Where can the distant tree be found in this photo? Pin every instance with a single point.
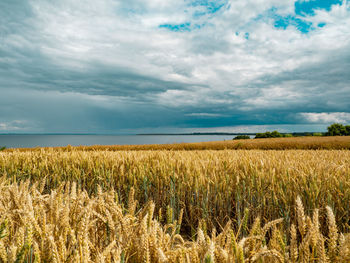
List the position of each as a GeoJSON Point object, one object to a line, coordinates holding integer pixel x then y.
{"type": "Point", "coordinates": [336, 129]}
{"type": "Point", "coordinates": [317, 134]}
{"type": "Point", "coordinates": [274, 134]}
{"type": "Point", "coordinates": [2, 148]}
{"type": "Point", "coordinates": [288, 135]}
{"type": "Point", "coordinates": [241, 137]}
{"type": "Point", "coordinates": [347, 128]}
{"type": "Point", "coordinates": [268, 134]}
{"type": "Point", "coordinates": [259, 135]}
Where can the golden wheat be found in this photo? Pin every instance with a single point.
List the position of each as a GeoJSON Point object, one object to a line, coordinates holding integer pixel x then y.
{"type": "Point", "coordinates": [175, 206]}
{"type": "Point", "coordinates": [306, 143]}
{"type": "Point", "coordinates": [69, 226]}
{"type": "Point", "coordinates": [209, 185]}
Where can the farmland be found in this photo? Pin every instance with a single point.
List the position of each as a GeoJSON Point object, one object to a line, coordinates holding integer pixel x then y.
{"type": "Point", "coordinates": [301, 143]}
{"type": "Point", "coordinates": [100, 205]}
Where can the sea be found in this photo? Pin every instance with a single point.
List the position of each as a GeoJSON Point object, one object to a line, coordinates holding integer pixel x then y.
{"type": "Point", "coordinates": [50, 140]}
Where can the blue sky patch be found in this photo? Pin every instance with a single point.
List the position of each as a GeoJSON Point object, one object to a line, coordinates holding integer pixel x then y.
{"type": "Point", "coordinates": [303, 8]}
{"type": "Point", "coordinates": [185, 27]}
{"type": "Point", "coordinates": [205, 7]}
{"type": "Point", "coordinates": [208, 7]}
{"type": "Point", "coordinates": [285, 21]}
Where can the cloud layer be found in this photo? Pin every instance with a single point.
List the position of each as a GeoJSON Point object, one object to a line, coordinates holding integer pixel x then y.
{"type": "Point", "coordinates": [108, 66]}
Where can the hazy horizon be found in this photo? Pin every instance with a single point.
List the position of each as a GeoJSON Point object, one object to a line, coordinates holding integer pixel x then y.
{"type": "Point", "coordinates": [177, 131]}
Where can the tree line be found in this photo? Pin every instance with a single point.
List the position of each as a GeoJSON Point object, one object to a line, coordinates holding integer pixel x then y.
{"type": "Point", "coordinates": [336, 129]}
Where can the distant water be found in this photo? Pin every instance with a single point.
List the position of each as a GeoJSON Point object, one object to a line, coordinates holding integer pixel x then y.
{"type": "Point", "coordinates": [27, 141]}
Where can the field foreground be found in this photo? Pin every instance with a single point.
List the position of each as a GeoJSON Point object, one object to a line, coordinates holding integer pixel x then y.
{"type": "Point", "coordinates": [69, 226]}
{"type": "Point", "coordinates": [175, 206]}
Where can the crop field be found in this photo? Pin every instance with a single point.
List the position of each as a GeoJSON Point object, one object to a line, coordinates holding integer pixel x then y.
{"type": "Point", "coordinates": [301, 143]}
{"type": "Point", "coordinates": [95, 205]}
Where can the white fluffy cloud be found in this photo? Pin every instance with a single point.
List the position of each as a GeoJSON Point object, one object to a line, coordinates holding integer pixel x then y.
{"type": "Point", "coordinates": [324, 117]}
{"type": "Point", "coordinates": [113, 33]}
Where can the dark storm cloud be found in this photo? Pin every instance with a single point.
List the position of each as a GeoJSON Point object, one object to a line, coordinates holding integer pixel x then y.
{"type": "Point", "coordinates": [319, 87]}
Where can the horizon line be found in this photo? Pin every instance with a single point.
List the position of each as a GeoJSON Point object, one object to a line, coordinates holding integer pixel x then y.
{"type": "Point", "coordinates": [147, 134]}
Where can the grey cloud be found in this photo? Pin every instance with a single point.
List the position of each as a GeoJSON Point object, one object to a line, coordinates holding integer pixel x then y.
{"type": "Point", "coordinates": [322, 86]}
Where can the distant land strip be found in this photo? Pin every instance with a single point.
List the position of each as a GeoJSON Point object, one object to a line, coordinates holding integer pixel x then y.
{"type": "Point", "coordinates": [303, 143]}
{"type": "Point", "coordinates": [227, 133]}
{"type": "Point", "coordinates": [199, 133]}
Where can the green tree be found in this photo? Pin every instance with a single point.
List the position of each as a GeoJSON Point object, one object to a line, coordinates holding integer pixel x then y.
{"type": "Point", "coordinates": [336, 129]}
{"type": "Point", "coordinates": [259, 135]}
{"type": "Point", "coordinates": [276, 134]}
{"type": "Point", "coordinates": [241, 137]}
{"type": "Point", "coordinates": [347, 128]}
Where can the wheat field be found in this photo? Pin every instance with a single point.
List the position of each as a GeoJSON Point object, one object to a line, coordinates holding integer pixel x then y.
{"type": "Point", "coordinates": [301, 143]}
{"type": "Point", "coordinates": [175, 206]}
{"type": "Point", "coordinates": [69, 226]}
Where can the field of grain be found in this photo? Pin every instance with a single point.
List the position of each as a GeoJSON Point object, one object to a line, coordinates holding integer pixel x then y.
{"type": "Point", "coordinates": [69, 226]}
{"type": "Point", "coordinates": [175, 206]}
{"type": "Point", "coordinates": [301, 143]}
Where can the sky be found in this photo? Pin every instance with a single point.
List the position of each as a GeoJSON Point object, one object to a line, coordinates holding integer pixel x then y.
{"type": "Point", "coordinates": [139, 66]}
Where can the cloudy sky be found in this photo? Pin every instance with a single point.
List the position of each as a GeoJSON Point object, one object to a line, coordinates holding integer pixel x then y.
{"type": "Point", "coordinates": [115, 66]}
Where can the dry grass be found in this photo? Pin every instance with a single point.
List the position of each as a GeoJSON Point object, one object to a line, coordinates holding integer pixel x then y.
{"type": "Point", "coordinates": [69, 226]}
{"type": "Point", "coordinates": [306, 143]}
